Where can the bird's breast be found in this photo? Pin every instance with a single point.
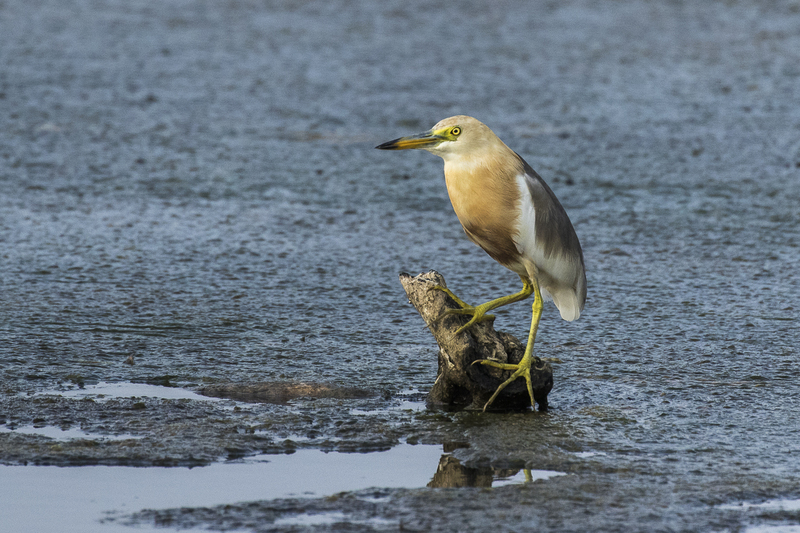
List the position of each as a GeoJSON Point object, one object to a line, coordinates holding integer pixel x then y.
{"type": "Point", "coordinates": [486, 200]}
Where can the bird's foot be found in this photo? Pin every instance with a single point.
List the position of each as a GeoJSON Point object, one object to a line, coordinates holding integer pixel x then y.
{"type": "Point", "coordinates": [521, 369]}
{"type": "Point", "coordinates": [478, 312]}
{"type": "Point", "coordinates": [451, 294]}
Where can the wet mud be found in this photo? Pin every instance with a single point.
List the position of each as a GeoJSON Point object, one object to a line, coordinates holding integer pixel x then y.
{"type": "Point", "coordinates": [282, 393]}
{"type": "Point", "coordinates": [191, 187]}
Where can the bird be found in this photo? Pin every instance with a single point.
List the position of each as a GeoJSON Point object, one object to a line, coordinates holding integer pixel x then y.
{"type": "Point", "coordinates": [509, 211]}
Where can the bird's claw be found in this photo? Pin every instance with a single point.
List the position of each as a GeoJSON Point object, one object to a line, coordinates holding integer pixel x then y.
{"type": "Point", "coordinates": [520, 370]}
{"type": "Point", "coordinates": [450, 293]}
{"type": "Point", "coordinates": [478, 315]}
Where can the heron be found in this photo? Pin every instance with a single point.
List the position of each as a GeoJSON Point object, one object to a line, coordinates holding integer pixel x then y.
{"type": "Point", "coordinates": [509, 211]}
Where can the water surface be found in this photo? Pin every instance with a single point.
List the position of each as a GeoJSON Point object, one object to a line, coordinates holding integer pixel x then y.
{"type": "Point", "coordinates": [192, 186]}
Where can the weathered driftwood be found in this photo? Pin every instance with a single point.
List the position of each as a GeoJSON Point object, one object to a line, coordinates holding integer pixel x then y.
{"type": "Point", "coordinates": [460, 383]}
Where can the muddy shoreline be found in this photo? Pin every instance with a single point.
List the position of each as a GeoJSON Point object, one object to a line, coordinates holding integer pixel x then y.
{"type": "Point", "coordinates": [193, 187]}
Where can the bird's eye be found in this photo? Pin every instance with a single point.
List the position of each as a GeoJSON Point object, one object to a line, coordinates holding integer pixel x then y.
{"type": "Point", "coordinates": [456, 131]}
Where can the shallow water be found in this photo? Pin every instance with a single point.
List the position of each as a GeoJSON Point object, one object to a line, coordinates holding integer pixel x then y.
{"type": "Point", "coordinates": [97, 498]}
{"type": "Point", "coordinates": [84, 499]}
{"type": "Point", "coordinates": [194, 185]}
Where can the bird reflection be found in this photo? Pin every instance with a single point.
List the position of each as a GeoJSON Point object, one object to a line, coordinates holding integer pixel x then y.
{"type": "Point", "coordinates": [452, 474]}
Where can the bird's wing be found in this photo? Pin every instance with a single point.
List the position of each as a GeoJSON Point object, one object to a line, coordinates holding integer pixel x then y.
{"type": "Point", "coordinates": [547, 239]}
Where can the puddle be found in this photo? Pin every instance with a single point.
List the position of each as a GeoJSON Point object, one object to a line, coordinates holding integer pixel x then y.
{"type": "Point", "coordinates": [59, 434]}
{"type": "Point", "coordinates": [78, 498]}
{"type": "Point", "coordinates": [327, 519]}
{"type": "Point", "coordinates": [404, 405]}
{"type": "Point", "coordinates": [321, 519]}
{"type": "Point", "coordinates": [769, 505]}
{"type": "Point", "coordinates": [105, 391]}
{"type": "Point", "coordinates": [586, 455]}
{"type": "Point", "coordinates": [526, 476]}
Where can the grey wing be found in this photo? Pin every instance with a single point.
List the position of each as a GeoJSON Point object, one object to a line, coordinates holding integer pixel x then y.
{"type": "Point", "coordinates": [556, 251]}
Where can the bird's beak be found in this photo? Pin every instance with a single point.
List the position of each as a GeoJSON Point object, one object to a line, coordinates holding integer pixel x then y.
{"type": "Point", "coordinates": [420, 140]}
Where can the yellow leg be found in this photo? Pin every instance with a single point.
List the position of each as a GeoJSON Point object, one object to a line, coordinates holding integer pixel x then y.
{"type": "Point", "coordinates": [523, 368]}
{"type": "Point", "coordinates": [478, 312]}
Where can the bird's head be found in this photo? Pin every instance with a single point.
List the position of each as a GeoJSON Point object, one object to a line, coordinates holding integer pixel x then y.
{"type": "Point", "coordinates": [457, 136]}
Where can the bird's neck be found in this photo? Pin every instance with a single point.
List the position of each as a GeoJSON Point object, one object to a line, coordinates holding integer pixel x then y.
{"type": "Point", "coordinates": [501, 163]}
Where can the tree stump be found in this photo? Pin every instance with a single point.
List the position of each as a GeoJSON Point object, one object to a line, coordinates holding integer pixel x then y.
{"type": "Point", "coordinates": [459, 383]}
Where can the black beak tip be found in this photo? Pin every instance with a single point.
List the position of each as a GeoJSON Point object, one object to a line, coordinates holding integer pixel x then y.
{"type": "Point", "coordinates": [385, 146]}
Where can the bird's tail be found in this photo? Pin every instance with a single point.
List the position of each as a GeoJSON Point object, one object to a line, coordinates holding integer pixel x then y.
{"type": "Point", "coordinates": [569, 295]}
{"type": "Point", "coordinates": [568, 300]}
{"type": "Point", "coordinates": [568, 305]}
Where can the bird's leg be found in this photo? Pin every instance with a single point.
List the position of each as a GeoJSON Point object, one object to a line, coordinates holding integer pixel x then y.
{"type": "Point", "coordinates": [523, 368]}
{"type": "Point", "coordinates": [478, 312]}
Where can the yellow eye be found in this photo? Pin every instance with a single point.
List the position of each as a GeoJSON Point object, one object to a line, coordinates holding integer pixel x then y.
{"type": "Point", "coordinates": [456, 131]}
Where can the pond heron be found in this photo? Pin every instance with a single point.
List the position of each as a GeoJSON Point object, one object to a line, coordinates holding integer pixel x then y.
{"type": "Point", "coordinates": [507, 209]}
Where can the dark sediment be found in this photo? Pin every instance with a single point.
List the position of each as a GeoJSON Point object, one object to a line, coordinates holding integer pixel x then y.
{"type": "Point", "coordinates": [282, 392]}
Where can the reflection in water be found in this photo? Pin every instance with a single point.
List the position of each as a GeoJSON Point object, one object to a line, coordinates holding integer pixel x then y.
{"type": "Point", "coordinates": [452, 474]}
